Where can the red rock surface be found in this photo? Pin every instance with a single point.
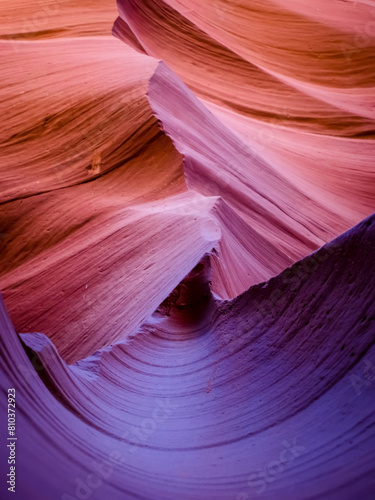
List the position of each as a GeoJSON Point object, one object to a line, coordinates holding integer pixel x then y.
{"type": "Point", "coordinates": [156, 189]}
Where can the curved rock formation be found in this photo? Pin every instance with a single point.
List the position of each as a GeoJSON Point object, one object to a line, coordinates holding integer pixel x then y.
{"type": "Point", "coordinates": [293, 79]}
{"type": "Point", "coordinates": [269, 393]}
{"type": "Point", "coordinates": [170, 221]}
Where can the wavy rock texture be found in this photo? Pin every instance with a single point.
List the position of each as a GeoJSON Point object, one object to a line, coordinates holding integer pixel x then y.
{"type": "Point", "coordinates": [269, 393]}
{"type": "Point", "coordinates": [157, 198]}
{"type": "Point", "coordinates": [294, 79]}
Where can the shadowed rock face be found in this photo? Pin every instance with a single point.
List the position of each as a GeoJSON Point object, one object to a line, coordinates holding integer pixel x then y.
{"type": "Point", "coordinates": [172, 222]}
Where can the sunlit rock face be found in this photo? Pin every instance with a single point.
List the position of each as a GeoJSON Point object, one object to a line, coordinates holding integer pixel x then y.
{"type": "Point", "coordinates": [186, 223]}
